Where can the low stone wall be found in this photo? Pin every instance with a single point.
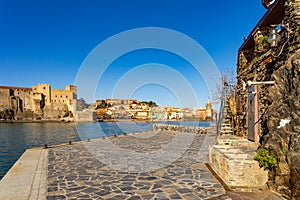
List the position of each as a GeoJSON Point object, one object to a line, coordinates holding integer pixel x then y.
{"type": "Point", "coordinates": [85, 116]}
{"type": "Point", "coordinates": [178, 128]}
{"type": "Point", "coordinates": [232, 160]}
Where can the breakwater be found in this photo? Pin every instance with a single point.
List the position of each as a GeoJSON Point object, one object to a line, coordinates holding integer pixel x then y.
{"type": "Point", "coordinates": [187, 129]}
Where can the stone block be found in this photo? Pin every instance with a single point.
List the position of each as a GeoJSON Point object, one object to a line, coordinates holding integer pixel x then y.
{"type": "Point", "coordinates": [236, 167]}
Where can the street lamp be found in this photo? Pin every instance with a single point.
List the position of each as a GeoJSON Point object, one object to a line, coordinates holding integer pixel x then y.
{"type": "Point", "coordinates": [274, 37]}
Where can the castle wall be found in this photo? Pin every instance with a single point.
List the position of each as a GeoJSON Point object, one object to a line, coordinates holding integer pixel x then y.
{"type": "Point", "coordinates": [16, 99]}
{"type": "Point", "coordinates": [39, 102]}
{"type": "Point", "coordinates": [5, 98]}
{"type": "Point", "coordinates": [60, 98]}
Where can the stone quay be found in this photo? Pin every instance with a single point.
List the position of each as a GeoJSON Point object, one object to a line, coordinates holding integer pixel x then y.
{"type": "Point", "coordinates": [95, 169]}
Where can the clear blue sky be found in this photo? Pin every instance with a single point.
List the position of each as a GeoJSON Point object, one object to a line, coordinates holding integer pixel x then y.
{"type": "Point", "coordinates": [47, 41]}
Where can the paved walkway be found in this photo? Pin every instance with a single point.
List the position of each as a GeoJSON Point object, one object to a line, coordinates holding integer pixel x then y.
{"type": "Point", "coordinates": [148, 167]}
{"type": "Point", "coordinates": [27, 179]}
{"type": "Point", "coordinates": [78, 171]}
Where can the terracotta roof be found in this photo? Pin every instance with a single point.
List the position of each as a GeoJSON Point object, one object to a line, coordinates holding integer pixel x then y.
{"type": "Point", "coordinates": [13, 87]}
{"type": "Point", "coordinates": [274, 15]}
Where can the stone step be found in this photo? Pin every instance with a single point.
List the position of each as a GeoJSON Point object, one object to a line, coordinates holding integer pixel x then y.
{"type": "Point", "coordinates": [224, 124]}
{"type": "Point", "coordinates": [226, 128]}
{"type": "Point", "coordinates": [226, 132]}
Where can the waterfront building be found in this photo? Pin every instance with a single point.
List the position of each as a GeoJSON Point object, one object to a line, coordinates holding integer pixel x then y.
{"type": "Point", "coordinates": [129, 108]}
{"type": "Point", "coordinates": [202, 114]}
{"type": "Point", "coordinates": [120, 101]}
{"type": "Point", "coordinates": [38, 102]}
{"type": "Point", "coordinates": [174, 113]}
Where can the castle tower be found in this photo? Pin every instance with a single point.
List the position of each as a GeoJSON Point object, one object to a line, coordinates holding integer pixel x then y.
{"type": "Point", "coordinates": [73, 101]}
{"type": "Point", "coordinates": [44, 89]}
{"type": "Point", "coordinates": [72, 88]}
{"type": "Point", "coordinates": [208, 111]}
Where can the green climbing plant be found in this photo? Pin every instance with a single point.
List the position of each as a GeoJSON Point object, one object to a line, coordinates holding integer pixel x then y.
{"type": "Point", "coordinates": [265, 159]}
{"type": "Point", "coordinates": [264, 42]}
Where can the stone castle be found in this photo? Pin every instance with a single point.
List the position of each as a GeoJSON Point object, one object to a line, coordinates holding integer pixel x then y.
{"type": "Point", "coordinates": [38, 102]}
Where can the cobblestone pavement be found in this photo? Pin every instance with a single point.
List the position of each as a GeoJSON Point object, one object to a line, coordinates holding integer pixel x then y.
{"type": "Point", "coordinates": [75, 173]}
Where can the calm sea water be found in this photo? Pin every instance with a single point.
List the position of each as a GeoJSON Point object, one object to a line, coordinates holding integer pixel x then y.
{"type": "Point", "coordinates": [15, 138]}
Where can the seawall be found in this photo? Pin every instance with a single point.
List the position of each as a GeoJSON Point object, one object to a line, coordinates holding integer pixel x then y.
{"type": "Point", "coordinates": [178, 128]}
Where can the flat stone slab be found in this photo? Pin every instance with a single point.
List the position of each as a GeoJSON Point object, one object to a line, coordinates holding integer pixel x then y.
{"type": "Point", "coordinates": [80, 171]}
{"type": "Point", "coordinates": [150, 165]}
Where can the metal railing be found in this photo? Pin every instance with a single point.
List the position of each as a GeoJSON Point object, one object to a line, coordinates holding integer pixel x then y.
{"type": "Point", "coordinates": [220, 118]}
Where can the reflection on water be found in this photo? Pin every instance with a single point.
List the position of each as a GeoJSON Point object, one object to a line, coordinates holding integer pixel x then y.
{"type": "Point", "coordinates": [15, 138]}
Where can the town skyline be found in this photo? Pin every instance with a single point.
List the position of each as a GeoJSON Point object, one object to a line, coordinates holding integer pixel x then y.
{"type": "Point", "coordinates": [42, 102]}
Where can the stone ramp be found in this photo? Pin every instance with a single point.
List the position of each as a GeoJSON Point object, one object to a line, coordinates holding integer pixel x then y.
{"type": "Point", "coordinates": [27, 178]}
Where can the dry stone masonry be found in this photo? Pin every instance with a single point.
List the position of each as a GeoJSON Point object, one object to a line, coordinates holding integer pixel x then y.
{"type": "Point", "coordinates": [232, 159]}
{"type": "Point", "coordinates": [277, 106]}
{"type": "Point", "coordinates": [178, 128]}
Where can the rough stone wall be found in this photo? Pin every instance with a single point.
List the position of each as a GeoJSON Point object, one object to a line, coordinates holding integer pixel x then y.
{"type": "Point", "coordinates": [60, 98]}
{"type": "Point", "coordinates": [284, 141]}
{"type": "Point", "coordinates": [277, 102]}
{"type": "Point", "coordinates": [4, 100]}
{"type": "Point", "coordinates": [18, 100]}
{"type": "Point", "coordinates": [177, 128]}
